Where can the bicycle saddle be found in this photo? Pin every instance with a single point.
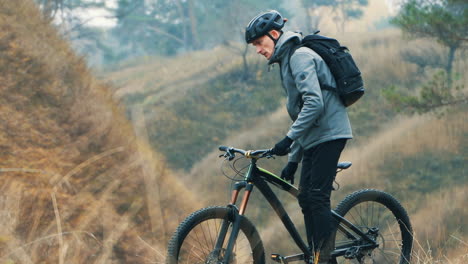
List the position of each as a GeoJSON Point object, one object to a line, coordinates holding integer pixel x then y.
{"type": "Point", "coordinates": [344, 165]}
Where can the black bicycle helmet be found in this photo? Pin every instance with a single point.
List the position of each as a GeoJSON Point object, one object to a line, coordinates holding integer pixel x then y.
{"type": "Point", "coordinates": [262, 24]}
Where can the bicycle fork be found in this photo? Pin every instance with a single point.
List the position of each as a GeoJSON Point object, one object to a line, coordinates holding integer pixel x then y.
{"type": "Point", "coordinates": [234, 218]}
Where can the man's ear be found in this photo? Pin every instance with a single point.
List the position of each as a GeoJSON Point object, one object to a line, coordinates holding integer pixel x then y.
{"type": "Point", "coordinates": [275, 34]}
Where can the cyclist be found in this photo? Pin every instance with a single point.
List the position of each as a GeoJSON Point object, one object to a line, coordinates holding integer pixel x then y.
{"type": "Point", "coordinates": [320, 125]}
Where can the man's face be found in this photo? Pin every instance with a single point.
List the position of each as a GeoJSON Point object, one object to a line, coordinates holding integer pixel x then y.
{"type": "Point", "coordinates": [264, 46]}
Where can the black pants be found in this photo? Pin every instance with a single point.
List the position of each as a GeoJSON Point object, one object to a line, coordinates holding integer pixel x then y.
{"type": "Point", "coordinates": [318, 171]}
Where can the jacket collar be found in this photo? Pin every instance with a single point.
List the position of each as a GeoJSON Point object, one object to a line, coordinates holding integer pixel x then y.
{"type": "Point", "coordinates": [283, 45]}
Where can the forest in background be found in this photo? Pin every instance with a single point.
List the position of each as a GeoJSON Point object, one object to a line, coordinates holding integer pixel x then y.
{"type": "Point", "coordinates": [76, 160]}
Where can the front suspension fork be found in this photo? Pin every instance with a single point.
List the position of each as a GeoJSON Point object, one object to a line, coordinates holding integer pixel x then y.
{"type": "Point", "coordinates": [235, 218]}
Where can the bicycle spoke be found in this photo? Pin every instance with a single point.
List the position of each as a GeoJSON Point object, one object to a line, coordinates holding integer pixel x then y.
{"type": "Point", "coordinates": [192, 252]}
{"type": "Point", "coordinates": [367, 206]}
{"type": "Point", "coordinates": [199, 245]}
{"type": "Point", "coordinates": [379, 223]}
{"type": "Point", "coordinates": [210, 236]}
{"type": "Point", "coordinates": [205, 235]}
{"type": "Point", "coordinates": [197, 239]}
{"type": "Point", "coordinates": [385, 256]}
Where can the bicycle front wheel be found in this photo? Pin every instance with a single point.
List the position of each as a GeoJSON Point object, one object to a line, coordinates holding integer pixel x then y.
{"type": "Point", "coordinates": [196, 238]}
{"type": "Point", "coordinates": [382, 218]}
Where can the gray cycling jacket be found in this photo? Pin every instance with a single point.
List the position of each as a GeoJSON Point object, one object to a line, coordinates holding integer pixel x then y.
{"type": "Point", "coordinates": [318, 115]}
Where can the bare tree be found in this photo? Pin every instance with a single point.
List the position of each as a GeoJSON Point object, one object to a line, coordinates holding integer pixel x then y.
{"type": "Point", "coordinates": [50, 8]}
{"type": "Point", "coordinates": [313, 15]}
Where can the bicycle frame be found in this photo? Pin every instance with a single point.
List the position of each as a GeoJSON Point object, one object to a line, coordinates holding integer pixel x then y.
{"type": "Point", "coordinates": [258, 177]}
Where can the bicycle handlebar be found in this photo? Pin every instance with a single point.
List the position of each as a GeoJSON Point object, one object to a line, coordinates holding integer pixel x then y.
{"type": "Point", "coordinates": [251, 154]}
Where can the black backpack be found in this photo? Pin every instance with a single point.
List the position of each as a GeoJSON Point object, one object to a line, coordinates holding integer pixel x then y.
{"type": "Point", "coordinates": [350, 86]}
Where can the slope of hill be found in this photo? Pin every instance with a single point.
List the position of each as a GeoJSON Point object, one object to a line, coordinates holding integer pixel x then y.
{"type": "Point", "coordinates": [201, 98]}
{"type": "Point", "coordinates": [77, 185]}
{"type": "Point", "coordinates": [195, 100]}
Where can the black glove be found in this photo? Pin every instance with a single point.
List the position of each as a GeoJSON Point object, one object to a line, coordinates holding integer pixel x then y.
{"type": "Point", "coordinates": [288, 172]}
{"type": "Point", "coordinates": [282, 148]}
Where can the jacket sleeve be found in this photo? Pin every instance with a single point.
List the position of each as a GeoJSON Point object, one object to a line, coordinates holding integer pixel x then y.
{"type": "Point", "coordinates": [305, 76]}
{"type": "Point", "coordinates": [296, 153]}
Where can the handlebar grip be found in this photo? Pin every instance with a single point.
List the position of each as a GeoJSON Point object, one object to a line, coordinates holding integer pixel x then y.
{"type": "Point", "coordinates": [223, 148]}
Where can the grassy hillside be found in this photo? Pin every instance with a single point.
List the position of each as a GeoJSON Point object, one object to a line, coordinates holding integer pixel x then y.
{"type": "Point", "coordinates": [193, 102]}
{"type": "Point", "coordinates": [77, 185]}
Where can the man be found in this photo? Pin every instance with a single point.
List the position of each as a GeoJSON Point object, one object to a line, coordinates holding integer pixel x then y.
{"type": "Point", "coordinates": [320, 123]}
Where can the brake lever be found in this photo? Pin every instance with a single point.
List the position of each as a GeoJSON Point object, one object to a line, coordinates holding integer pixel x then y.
{"type": "Point", "coordinates": [268, 155]}
{"type": "Point", "coordinates": [228, 155]}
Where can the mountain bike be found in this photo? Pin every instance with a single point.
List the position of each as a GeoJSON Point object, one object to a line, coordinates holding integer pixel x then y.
{"type": "Point", "coordinates": [370, 226]}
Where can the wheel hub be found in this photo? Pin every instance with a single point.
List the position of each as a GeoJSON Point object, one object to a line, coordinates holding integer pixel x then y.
{"type": "Point", "coordinates": [217, 256]}
{"type": "Point", "coordinates": [363, 252]}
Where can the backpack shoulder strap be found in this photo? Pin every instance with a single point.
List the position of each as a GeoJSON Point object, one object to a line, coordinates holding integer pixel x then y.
{"type": "Point", "coordinates": [304, 43]}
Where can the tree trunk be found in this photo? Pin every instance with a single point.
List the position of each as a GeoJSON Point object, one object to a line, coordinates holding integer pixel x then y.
{"type": "Point", "coordinates": [344, 18]}
{"type": "Point", "coordinates": [180, 9]}
{"type": "Point", "coordinates": [312, 18]}
{"type": "Point", "coordinates": [246, 65]}
{"type": "Point", "coordinates": [451, 57]}
{"type": "Point", "coordinates": [310, 27]}
{"type": "Point", "coordinates": [50, 7]}
{"type": "Point", "coordinates": [193, 25]}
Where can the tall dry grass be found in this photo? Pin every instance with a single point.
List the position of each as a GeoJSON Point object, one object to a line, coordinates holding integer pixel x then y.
{"type": "Point", "coordinates": [406, 136]}
{"type": "Point", "coordinates": [78, 183]}
{"type": "Point", "coordinates": [167, 79]}
{"type": "Point", "coordinates": [436, 243]}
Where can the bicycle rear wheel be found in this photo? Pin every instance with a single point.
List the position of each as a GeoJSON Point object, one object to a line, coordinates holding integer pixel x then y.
{"type": "Point", "coordinates": [195, 239]}
{"type": "Point", "coordinates": [381, 217]}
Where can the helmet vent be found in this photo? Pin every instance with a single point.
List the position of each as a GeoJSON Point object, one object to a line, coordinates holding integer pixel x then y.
{"type": "Point", "coordinates": [262, 24]}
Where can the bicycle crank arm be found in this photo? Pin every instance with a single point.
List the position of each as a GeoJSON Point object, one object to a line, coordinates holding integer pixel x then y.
{"type": "Point", "coordinates": [354, 251]}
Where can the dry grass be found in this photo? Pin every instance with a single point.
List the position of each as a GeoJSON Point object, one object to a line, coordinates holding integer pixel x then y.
{"type": "Point", "coordinates": [168, 78]}
{"type": "Point", "coordinates": [432, 221]}
{"type": "Point", "coordinates": [405, 136]}
{"type": "Point", "coordinates": [78, 184]}
{"type": "Point", "coordinates": [208, 169]}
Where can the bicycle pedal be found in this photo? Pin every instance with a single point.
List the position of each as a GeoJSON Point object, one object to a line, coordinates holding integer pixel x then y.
{"type": "Point", "coordinates": [277, 258]}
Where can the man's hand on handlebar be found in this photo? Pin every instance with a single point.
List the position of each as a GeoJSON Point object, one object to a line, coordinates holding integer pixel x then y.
{"type": "Point", "coordinates": [282, 148]}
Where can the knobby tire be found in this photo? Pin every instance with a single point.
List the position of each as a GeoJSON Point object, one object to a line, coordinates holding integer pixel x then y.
{"type": "Point", "coordinates": [194, 240]}
{"type": "Point", "coordinates": [368, 209]}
